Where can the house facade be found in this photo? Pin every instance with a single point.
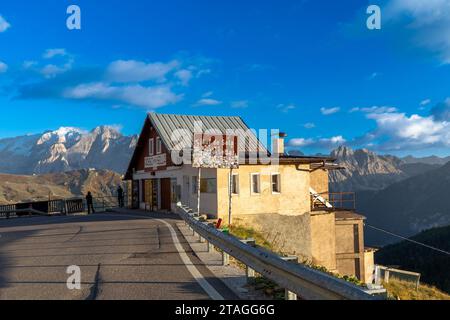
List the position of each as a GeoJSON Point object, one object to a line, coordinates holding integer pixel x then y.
{"type": "Point", "coordinates": [270, 191]}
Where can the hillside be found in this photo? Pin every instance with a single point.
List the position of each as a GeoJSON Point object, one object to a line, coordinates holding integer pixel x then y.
{"type": "Point", "coordinates": [19, 188]}
{"type": "Point", "coordinates": [366, 170]}
{"type": "Point", "coordinates": [434, 266]}
{"type": "Point", "coordinates": [407, 207]}
{"type": "Point", "coordinates": [66, 149]}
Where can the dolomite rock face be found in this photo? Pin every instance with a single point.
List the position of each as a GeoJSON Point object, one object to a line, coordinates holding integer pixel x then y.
{"type": "Point", "coordinates": [66, 149]}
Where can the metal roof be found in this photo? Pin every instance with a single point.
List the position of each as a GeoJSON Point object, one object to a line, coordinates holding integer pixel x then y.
{"type": "Point", "coordinates": [168, 124]}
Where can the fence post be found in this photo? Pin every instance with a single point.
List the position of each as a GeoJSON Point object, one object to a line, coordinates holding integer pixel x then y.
{"type": "Point", "coordinates": [210, 246]}
{"type": "Point", "coordinates": [386, 276]}
{"type": "Point", "coordinates": [225, 258]}
{"type": "Point", "coordinates": [250, 273]}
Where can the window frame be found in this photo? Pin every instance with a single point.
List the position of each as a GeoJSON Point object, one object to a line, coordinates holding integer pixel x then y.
{"type": "Point", "coordinates": [259, 184]}
{"type": "Point", "coordinates": [231, 181]}
{"type": "Point", "coordinates": [158, 145]}
{"type": "Point", "coordinates": [151, 147]}
{"type": "Point", "coordinates": [278, 182]}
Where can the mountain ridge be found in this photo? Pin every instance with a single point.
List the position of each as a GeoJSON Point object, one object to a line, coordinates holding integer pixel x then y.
{"type": "Point", "coordinates": [66, 149]}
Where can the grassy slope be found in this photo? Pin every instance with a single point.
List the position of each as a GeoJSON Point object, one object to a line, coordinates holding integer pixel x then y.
{"type": "Point", "coordinates": [433, 266]}
{"type": "Point", "coordinates": [15, 188]}
{"type": "Point", "coordinates": [402, 290]}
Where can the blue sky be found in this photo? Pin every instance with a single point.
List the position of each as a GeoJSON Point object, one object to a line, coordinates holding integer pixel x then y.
{"type": "Point", "coordinates": [310, 68]}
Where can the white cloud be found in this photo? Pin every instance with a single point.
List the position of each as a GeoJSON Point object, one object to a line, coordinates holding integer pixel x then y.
{"type": "Point", "coordinates": [184, 76]}
{"type": "Point", "coordinates": [239, 104]}
{"type": "Point", "coordinates": [285, 108]}
{"type": "Point", "coordinates": [3, 67]}
{"type": "Point", "coordinates": [374, 75]}
{"type": "Point", "coordinates": [309, 125]}
{"type": "Point", "coordinates": [425, 102]}
{"type": "Point", "coordinates": [29, 63]}
{"type": "Point", "coordinates": [51, 53]}
{"type": "Point", "coordinates": [329, 111]}
{"type": "Point", "coordinates": [146, 97]}
{"type": "Point", "coordinates": [397, 131]}
{"type": "Point", "coordinates": [52, 70]}
{"type": "Point", "coordinates": [208, 102]}
{"type": "Point", "coordinates": [374, 109]}
{"type": "Point", "coordinates": [4, 25]}
{"type": "Point", "coordinates": [300, 142]}
{"type": "Point", "coordinates": [207, 94]}
{"type": "Point", "coordinates": [138, 71]}
{"type": "Point", "coordinates": [323, 143]}
{"type": "Point", "coordinates": [427, 20]}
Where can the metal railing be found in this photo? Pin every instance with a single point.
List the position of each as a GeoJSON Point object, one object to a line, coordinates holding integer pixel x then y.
{"type": "Point", "coordinates": [383, 274]}
{"type": "Point", "coordinates": [59, 206]}
{"type": "Point", "coordinates": [339, 200]}
{"type": "Point", "coordinates": [298, 279]}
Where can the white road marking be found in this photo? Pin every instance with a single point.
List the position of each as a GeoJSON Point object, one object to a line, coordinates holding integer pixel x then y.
{"type": "Point", "coordinates": [190, 266]}
{"type": "Point", "coordinates": [213, 294]}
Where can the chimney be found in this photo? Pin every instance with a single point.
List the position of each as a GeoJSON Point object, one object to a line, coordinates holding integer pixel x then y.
{"type": "Point", "coordinates": [278, 143]}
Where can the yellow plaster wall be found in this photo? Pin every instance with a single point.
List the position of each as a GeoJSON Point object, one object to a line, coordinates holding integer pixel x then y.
{"type": "Point", "coordinates": [323, 240]}
{"type": "Point", "coordinates": [294, 198]}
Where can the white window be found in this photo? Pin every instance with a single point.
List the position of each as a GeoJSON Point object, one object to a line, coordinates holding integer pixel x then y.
{"type": "Point", "coordinates": [158, 145]}
{"type": "Point", "coordinates": [276, 183]}
{"type": "Point", "coordinates": [255, 183]}
{"type": "Point", "coordinates": [151, 147]}
{"type": "Point", "coordinates": [235, 183]}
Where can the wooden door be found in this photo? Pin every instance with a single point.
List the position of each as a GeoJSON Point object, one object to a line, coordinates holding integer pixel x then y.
{"type": "Point", "coordinates": [165, 194]}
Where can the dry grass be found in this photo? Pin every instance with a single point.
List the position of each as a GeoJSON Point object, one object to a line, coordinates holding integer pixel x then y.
{"type": "Point", "coordinates": [402, 290]}
{"type": "Point", "coordinates": [245, 233]}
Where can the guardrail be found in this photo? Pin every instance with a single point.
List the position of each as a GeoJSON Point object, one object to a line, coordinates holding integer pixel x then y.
{"type": "Point", "coordinates": [58, 206]}
{"type": "Point", "coordinates": [298, 279]}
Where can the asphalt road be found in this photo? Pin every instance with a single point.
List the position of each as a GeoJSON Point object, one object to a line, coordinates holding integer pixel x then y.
{"type": "Point", "coordinates": [121, 256]}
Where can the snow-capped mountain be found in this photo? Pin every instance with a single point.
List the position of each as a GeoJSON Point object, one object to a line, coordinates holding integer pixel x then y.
{"type": "Point", "coordinates": [66, 149]}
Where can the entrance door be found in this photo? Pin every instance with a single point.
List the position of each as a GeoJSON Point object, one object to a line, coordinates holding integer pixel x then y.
{"type": "Point", "coordinates": [165, 194]}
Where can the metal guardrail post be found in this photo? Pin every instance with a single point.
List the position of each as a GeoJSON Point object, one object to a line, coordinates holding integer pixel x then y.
{"type": "Point", "coordinates": [289, 295]}
{"type": "Point", "coordinates": [225, 259]}
{"type": "Point", "coordinates": [210, 246]}
{"type": "Point", "coordinates": [306, 282]}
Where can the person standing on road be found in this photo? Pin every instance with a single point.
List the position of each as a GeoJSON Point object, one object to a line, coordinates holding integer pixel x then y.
{"type": "Point", "coordinates": [90, 203]}
{"type": "Point", "coordinates": [120, 196]}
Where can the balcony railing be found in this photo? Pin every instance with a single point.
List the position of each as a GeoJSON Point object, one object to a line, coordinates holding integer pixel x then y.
{"type": "Point", "coordinates": [338, 200]}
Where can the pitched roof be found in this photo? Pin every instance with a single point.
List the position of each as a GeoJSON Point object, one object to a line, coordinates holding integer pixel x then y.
{"type": "Point", "coordinates": [166, 124]}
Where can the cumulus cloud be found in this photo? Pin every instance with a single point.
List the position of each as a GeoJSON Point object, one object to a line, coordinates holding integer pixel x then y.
{"type": "Point", "coordinates": [426, 23]}
{"type": "Point", "coordinates": [138, 71]}
{"type": "Point", "coordinates": [441, 112]}
{"type": "Point", "coordinates": [329, 111]}
{"type": "Point", "coordinates": [147, 97]}
{"type": "Point", "coordinates": [121, 82]}
{"type": "Point", "coordinates": [397, 131]}
{"type": "Point", "coordinates": [3, 67]}
{"type": "Point", "coordinates": [4, 25]}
